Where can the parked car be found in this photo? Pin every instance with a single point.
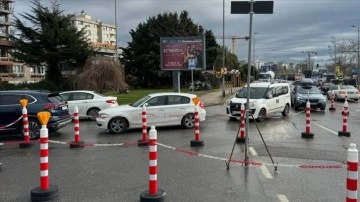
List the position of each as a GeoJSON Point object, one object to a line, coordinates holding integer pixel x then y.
{"type": "Point", "coordinates": [89, 103]}
{"type": "Point", "coordinates": [163, 109]}
{"type": "Point", "coordinates": [325, 87]}
{"type": "Point", "coordinates": [303, 93]}
{"type": "Point", "coordinates": [11, 111]}
{"type": "Point", "coordinates": [265, 98]}
{"type": "Point", "coordinates": [342, 91]}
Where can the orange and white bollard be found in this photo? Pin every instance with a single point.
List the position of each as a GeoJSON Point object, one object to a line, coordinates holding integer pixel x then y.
{"type": "Point", "coordinates": [307, 133]}
{"type": "Point", "coordinates": [153, 193]}
{"type": "Point", "coordinates": [76, 143]}
{"type": "Point", "coordinates": [197, 141]}
{"type": "Point", "coordinates": [345, 118]}
{"type": "Point", "coordinates": [144, 141]}
{"type": "Point", "coordinates": [46, 191]}
{"type": "Point", "coordinates": [332, 107]}
{"type": "Point", "coordinates": [352, 173]}
{"type": "Point", "coordinates": [26, 143]}
{"type": "Point", "coordinates": [241, 139]}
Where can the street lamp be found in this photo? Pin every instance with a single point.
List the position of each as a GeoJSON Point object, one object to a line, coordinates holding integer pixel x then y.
{"type": "Point", "coordinates": [358, 57]}
{"type": "Point", "coordinates": [254, 60]}
{"type": "Point", "coordinates": [335, 61]}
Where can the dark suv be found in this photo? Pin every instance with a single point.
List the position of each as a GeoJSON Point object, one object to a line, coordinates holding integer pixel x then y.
{"type": "Point", "coordinates": [11, 111]}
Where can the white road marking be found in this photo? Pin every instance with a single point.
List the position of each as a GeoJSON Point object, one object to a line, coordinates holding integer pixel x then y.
{"type": "Point", "coordinates": [252, 151]}
{"type": "Point", "coordinates": [323, 127]}
{"type": "Point", "coordinates": [282, 198]}
{"type": "Point", "coordinates": [266, 172]}
{"type": "Point", "coordinates": [263, 169]}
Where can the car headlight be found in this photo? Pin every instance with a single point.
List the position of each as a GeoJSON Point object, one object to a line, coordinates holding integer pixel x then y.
{"type": "Point", "coordinates": [103, 115]}
{"type": "Point", "coordinates": [323, 99]}
{"type": "Point", "coordinates": [253, 104]}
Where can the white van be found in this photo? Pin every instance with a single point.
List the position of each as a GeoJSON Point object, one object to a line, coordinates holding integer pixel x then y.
{"type": "Point", "coordinates": [265, 98]}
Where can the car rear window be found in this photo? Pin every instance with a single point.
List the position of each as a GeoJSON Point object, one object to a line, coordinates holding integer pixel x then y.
{"type": "Point", "coordinates": [55, 98]}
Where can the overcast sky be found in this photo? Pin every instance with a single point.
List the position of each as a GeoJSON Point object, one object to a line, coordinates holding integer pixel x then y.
{"type": "Point", "coordinates": [295, 28]}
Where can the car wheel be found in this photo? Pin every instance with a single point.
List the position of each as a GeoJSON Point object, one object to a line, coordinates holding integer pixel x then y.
{"type": "Point", "coordinates": [286, 110]}
{"type": "Point", "coordinates": [92, 113]}
{"type": "Point", "coordinates": [232, 119]}
{"type": "Point", "coordinates": [34, 129]}
{"type": "Point", "coordinates": [296, 107]}
{"type": "Point", "coordinates": [118, 125]}
{"type": "Point", "coordinates": [188, 121]}
{"type": "Point", "coordinates": [323, 108]}
{"type": "Point", "coordinates": [262, 115]}
{"type": "Point", "coordinates": [336, 98]}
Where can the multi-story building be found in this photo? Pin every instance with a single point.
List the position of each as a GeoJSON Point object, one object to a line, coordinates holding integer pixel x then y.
{"type": "Point", "coordinates": [100, 35]}
{"type": "Point", "coordinates": [12, 71]}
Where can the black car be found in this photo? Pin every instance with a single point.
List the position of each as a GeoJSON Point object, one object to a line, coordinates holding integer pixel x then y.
{"type": "Point", "coordinates": [11, 111]}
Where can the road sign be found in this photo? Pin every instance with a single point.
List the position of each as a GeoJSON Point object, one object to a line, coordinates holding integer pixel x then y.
{"type": "Point", "coordinates": [260, 7]}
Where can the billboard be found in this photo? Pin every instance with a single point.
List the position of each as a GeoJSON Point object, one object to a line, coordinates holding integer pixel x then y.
{"type": "Point", "coordinates": [182, 53]}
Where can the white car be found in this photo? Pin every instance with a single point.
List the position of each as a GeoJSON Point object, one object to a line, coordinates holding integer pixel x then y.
{"type": "Point", "coordinates": [89, 103]}
{"type": "Point", "coordinates": [342, 91]}
{"type": "Point", "coordinates": [162, 109]}
{"type": "Point", "coordinates": [265, 98]}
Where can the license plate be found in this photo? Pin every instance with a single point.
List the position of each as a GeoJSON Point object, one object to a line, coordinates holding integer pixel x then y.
{"type": "Point", "coordinates": [235, 112]}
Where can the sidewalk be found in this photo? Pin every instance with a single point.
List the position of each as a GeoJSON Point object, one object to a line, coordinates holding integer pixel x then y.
{"type": "Point", "coordinates": [217, 98]}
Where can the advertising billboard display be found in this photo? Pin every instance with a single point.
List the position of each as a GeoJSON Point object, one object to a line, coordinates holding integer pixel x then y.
{"type": "Point", "coordinates": [182, 53]}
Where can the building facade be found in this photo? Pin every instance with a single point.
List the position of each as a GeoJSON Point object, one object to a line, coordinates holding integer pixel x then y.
{"type": "Point", "coordinates": [100, 35]}
{"type": "Point", "coordinates": [12, 71]}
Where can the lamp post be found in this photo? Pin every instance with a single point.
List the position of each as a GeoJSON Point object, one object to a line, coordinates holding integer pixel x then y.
{"type": "Point", "coordinates": [335, 59]}
{"type": "Point", "coordinates": [358, 57]}
{"type": "Point", "coordinates": [116, 32]}
{"type": "Point", "coordinates": [254, 60]}
{"type": "Point", "coordinates": [223, 53]}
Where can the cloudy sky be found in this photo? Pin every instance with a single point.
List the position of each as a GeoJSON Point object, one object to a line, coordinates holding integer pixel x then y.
{"type": "Point", "coordinates": [296, 27]}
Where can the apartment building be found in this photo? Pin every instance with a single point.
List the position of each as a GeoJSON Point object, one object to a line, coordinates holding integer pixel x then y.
{"type": "Point", "coordinates": [100, 35]}
{"type": "Point", "coordinates": [12, 71]}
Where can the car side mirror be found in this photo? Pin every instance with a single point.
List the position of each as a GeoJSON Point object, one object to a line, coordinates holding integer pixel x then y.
{"type": "Point", "coordinates": [269, 96]}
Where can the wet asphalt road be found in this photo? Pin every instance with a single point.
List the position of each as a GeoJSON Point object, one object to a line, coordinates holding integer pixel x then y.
{"type": "Point", "coordinates": [120, 173]}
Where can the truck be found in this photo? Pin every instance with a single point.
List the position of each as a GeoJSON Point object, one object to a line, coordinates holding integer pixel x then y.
{"type": "Point", "coordinates": [268, 76]}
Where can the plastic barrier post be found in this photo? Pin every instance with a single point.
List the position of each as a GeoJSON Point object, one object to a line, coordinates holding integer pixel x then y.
{"type": "Point", "coordinates": [345, 118]}
{"type": "Point", "coordinates": [26, 143]}
{"type": "Point", "coordinates": [307, 133]}
{"type": "Point", "coordinates": [241, 139]}
{"type": "Point", "coordinates": [332, 107]}
{"type": "Point", "coordinates": [352, 173]}
{"type": "Point", "coordinates": [76, 143]}
{"type": "Point", "coordinates": [197, 142]}
{"type": "Point", "coordinates": [153, 194]}
{"type": "Point", "coordinates": [46, 191]}
{"type": "Point", "coordinates": [144, 141]}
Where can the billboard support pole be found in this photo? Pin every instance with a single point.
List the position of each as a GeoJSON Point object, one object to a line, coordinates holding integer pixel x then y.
{"type": "Point", "coordinates": [192, 81]}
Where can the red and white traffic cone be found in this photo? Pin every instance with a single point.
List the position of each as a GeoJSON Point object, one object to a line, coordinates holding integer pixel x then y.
{"type": "Point", "coordinates": [153, 193]}
{"type": "Point", "coordinates": [76, 143]}
{"type": "Point", "coordinates": [307, 133]}
{"type": "Point", "coordinates": [241, 139]}
{"type": "Point", "coordinates": [45, 192]}
{"type": "Point", "coordinates": [345, 107]}
{"type": "Point", "coordinates": [352, 173]}
{"type": "Point", "coordinates": [197, 142]}
{"type": "Point", "coordinates": [345, 118]}
{"type": "Point", "coordinates": [26, 143]}
{"type": "Point", "coordinates": [332, 107]}
{"type": "Point", "coordinates": [144, 141]}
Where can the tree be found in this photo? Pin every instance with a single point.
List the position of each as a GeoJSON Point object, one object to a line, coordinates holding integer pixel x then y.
{"type": "Point", "coordinates": [142, 56]}
{"type": "Point", "coordinates": [49, 39]}
{"type": "Point", "coordinates": [102, 73]}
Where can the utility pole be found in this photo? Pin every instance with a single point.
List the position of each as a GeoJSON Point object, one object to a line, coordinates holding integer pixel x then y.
{"type": "Point", "coordinates": [358, 57]}
{"type": "Point", "coordinates": [116, 32]}
{"type": "Point", "coordinates": [223, 56]}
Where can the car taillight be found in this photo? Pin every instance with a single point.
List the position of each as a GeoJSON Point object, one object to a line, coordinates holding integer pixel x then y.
{"type": "Point", "coordinates": [342, 92]}
{"type": "Point", "coordinates": [202, 105]}
{"type": "Point", "coordinates": [111, 101]}
{"type": "Point", "coordinates": [49, 106]}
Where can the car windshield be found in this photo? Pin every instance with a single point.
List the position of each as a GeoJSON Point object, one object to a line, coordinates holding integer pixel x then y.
{"type": "Point", "coordinates": [264, 76]}
{"type": "Point", "coordinates": [255, 92]}
{"type": "Point", "coordinates": [348, 87]}
{"type": "Point", "coordinates": [139, 102]}
{"type": "Point", "coordinates": [308, 90]}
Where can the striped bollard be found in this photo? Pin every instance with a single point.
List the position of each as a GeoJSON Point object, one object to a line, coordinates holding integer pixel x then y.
{"type": "Point", "coordinates": [345, 118]}
{"type": "Point", "coordinates": [307, 133]}
{"type": "Point", "coordinates": [241, 139]}
{"type": "Point", "coordinates": [76, 143]}
{"type": "Point", "coordinates": [26, 143]}
{"type": "Point", "coordinates": [153, 193]}
{"type": "Point", "coordinates": [46, 191]}
{"type": "Point", "coordinates": [196, 142]}
{"type": "Point", "coordinates": [345, 107]}
{"type": "Point", "coordinates": [332, 107]}
{"type": "Point", "coordinates": [352, 173]}
{"type": "Point", "coordinates": [144, 141]}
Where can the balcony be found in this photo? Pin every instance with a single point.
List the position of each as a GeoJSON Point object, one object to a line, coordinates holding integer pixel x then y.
{"type": "Point", "coordinates": [6, 9]}
{"type": "Point", "coordinates": [6, 61]}
{"type": "Point", "coordinates": [5, 43]}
